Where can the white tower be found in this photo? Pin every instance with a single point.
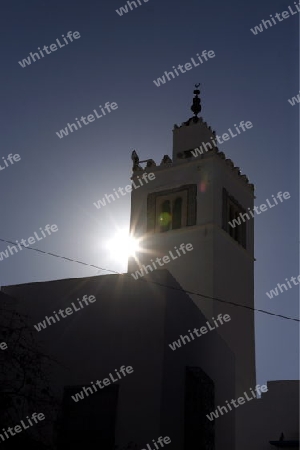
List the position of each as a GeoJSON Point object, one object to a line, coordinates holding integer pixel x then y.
{"type": "Point", "coordinates": [191, 200]}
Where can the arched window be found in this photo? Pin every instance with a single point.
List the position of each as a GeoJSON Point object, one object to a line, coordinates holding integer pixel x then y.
{"type": "Point", "coordinates": [231, 222]}
{"type": "Point", "coordinates": [231, 218]}
{"type": "Point", "coordinates": [165, 216]}
{"type": "Point", "coordinates": [177, 213]}
{"type": "Point", "coordinates": [172, 209]}
{"type": "Point", "coordinates": [237, 229]}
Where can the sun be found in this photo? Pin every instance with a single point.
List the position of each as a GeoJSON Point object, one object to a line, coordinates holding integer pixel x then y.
{"type": "Point", "coordinates": [122, 246]}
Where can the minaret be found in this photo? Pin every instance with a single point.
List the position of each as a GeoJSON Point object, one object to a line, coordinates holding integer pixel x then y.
{"type": "Point", "coordinates": [191, 200]}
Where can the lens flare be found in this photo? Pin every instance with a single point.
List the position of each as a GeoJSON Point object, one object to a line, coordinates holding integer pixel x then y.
{"type": "Point", "coordinates": [164, 219]}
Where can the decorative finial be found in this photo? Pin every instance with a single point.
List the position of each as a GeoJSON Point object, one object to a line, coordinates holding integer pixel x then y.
{"type": "Point", "coordinates": [135, 161]}
{"type": "Point", "coordinates": [196, 106]}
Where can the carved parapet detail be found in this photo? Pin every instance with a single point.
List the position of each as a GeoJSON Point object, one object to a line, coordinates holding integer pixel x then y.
{"type": "Point", "coordinates": [166, 160]}
{"type": "Point", "coordinates": [151, 163]}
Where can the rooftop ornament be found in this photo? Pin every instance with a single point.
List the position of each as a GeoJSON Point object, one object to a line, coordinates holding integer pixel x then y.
{"type": "Point", "coordinates": [196, 106]}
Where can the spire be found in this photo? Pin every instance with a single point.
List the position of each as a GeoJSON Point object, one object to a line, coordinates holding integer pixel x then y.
{"type": "Point", "coordinates": [196, 106]}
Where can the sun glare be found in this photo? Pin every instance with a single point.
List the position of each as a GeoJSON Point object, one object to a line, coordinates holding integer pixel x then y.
{"type": "Point", "coordinates": [122, 246]}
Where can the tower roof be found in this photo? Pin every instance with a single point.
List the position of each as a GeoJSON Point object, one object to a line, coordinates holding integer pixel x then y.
{"type": "Point", "coordinates": [189, 137]}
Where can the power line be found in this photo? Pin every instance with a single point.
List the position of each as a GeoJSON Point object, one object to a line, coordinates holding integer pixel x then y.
{"type": "Point", "coordinates": [156, 283]}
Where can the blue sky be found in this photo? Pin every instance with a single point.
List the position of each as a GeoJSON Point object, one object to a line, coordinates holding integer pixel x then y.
{"type": "Point", "coordinates": [116, 60]}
